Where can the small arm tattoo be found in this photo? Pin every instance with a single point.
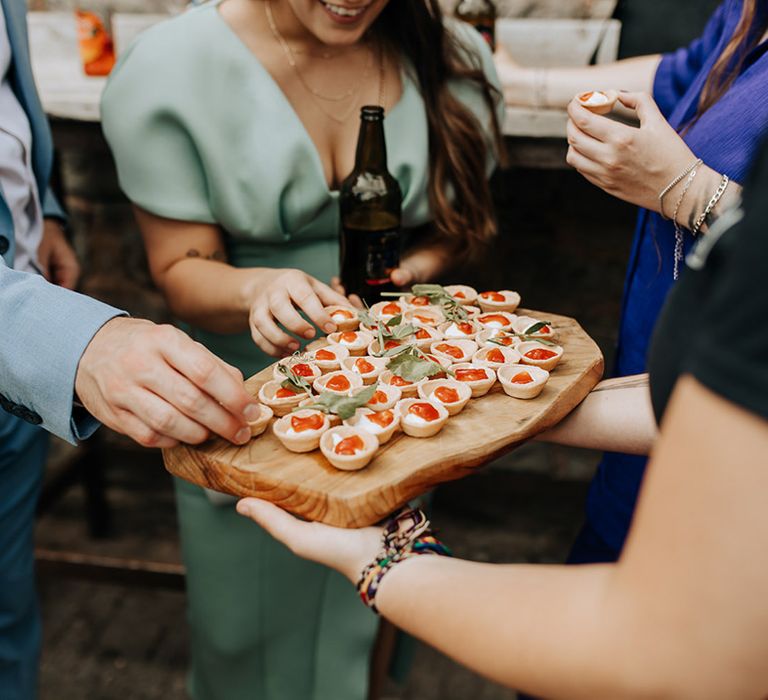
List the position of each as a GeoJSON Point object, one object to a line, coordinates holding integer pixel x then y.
{"type": "Point", "coordinates": [215, 255]}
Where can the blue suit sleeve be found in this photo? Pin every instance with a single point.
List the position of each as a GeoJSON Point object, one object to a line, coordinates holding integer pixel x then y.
{"type": "Point", "coordinates": [45, 330]}
{"type": "Point", "coordinates": [51, 206]}
{"type": "Point", "coordinates": [679, 69]}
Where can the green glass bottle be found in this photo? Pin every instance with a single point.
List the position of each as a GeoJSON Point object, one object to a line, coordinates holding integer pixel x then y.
{"type": "Point", "coordinates": [481, 14]}
{"type": "Point", "coordinates": [371, 205]}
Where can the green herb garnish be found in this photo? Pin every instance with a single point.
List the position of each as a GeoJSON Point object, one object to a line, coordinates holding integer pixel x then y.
{"type": "Point", "coordinates": [293, 382]}
{"type": "Point", "coordinates": [342, 406]}
{"type": "Point", "coordinates": [393, 329]}
{"type": "Point", "coordinates": [536, 327]}
{"type": "Point", "coordinates": [535, 339]}
{"type": "Point", "coordinates": [412, 365]}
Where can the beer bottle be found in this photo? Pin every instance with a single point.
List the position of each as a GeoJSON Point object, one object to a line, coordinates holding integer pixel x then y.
{"type": "Point", "coordinates": [481, 14]}
{"type": "Point", "coordinates": [370, 203]}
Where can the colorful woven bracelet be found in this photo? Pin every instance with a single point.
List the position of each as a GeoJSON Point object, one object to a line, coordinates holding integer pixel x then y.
{"type": "Point", "coordinates": [407, 535]}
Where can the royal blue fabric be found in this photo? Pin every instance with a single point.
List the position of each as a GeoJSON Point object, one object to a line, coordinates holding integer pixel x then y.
{"type": "Point", "coordinates": [726, 137]}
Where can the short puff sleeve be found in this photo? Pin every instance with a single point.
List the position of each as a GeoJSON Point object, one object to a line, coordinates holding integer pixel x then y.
{"type": "Point", "coordinates": [145, 122]}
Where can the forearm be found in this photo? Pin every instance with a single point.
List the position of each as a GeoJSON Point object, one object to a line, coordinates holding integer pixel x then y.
{"type": "Point", "coordinates": [616, 416]}
{"type": "Point", "coordinates": [541, 629]}
{"type": "Point", "coordinates": [212, 295]}
{"type": "Point", "coordinates": [699, 194]}
{"type": "Point", "coordinates": [555, 87]}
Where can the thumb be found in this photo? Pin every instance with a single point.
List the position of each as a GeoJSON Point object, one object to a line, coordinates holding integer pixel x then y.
{"type": "Point", "coordinates": [402, 276]}
{"type": "Point", "coordinates": [643, 104]}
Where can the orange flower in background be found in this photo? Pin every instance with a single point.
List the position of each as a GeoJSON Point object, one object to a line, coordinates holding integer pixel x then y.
{"type": "Point", "coordinates": [96, 48]}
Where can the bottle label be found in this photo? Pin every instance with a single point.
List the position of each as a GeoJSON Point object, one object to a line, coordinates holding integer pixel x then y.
{"type": "Point", "coordinates": [382, 256]}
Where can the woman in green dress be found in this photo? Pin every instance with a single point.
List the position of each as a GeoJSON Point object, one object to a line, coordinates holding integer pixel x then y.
{"type": "Point", "coordinates": [232, 126]}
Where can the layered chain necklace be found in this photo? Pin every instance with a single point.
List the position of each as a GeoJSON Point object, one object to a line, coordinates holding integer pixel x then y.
{"type": "Point", "coordinates": [321, 100]}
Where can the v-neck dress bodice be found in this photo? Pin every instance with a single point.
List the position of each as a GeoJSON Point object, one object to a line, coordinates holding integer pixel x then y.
{"type": "Point", "coordinates": [201, 132]}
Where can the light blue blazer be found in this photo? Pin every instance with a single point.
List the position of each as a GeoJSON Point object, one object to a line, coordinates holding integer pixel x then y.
{"type": "Point", "coordinates": [44, 329]}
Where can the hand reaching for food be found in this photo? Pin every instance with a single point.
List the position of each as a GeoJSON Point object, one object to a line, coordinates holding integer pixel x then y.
{"type": "Point", "coordinates": [279, 303]}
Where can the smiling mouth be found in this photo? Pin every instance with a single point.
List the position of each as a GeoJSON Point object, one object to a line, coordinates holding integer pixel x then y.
{"type": "Point", "coordinates": [341, 11]}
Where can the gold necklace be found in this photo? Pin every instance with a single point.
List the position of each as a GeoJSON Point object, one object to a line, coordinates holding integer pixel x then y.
{"type": "Point", "coordinates": [316, 94]}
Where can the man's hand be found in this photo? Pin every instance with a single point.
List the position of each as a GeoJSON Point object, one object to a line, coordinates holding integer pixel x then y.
{"type": "Point", "coordinates": [159, 387]}
{"type": "Point", "coordinates": [57, 259]}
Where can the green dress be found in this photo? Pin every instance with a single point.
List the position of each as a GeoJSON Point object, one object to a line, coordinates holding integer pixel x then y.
{"type": "Point", "coordinates": [201, 132]}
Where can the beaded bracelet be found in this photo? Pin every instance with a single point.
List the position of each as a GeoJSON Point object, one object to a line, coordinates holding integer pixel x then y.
{"type": "Point", "coordinates": [407, 535]}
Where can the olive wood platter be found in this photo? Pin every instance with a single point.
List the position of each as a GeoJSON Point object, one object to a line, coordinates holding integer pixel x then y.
{"type": "Point", "coordinates": [308, 486]}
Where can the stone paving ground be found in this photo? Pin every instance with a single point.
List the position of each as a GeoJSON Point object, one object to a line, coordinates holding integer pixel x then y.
{"type": "Point", "coordinates": [110, 642]}
{"type": "Point", "coordinates": [564, 247]}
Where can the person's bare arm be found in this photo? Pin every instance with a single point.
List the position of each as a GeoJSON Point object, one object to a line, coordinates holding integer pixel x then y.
{"type": "Point", "coordinates": [188, 263]}
{"type": "Point", "coordinates": [555, 87]}
{"type": "Point", "coordinates": [683, 614]}
{"type": "Point", "coordinates": [616, 416]}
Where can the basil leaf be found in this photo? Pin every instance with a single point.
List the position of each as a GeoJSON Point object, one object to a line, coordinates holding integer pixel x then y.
{"type": "Point", "coordinates": [395, 321]}
{"type": "Point", "coordinates": [293, 381]}
{"type": "Point", "coordinates": [393, 352]}
{"type": "Point", "coordinates": [343, 406]}
{"type": "Point", "coordinates": [365, 318]}
{"type": "Point", "coordinates": [536, 339]}
{"type": "Point", "coordinates": [412, 367]}
{"type": "Point", "coordinates": [536, 327]}
{"type": "Point", "coordinates": [403, 331]}
{"type": "Point", "coordinates": [288, 384]}
{"type": "Point", "coordinates": [428, 290]}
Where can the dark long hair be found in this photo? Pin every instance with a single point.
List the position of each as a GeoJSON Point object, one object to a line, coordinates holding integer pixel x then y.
{"type": "Point", "coordinates": [459, 194]}
{"type": "Point", "coordinates": [728, 66]}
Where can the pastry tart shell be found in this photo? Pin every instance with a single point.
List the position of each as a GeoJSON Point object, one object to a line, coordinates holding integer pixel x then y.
{"type": "Point", "coordinates": [290, 362]}
{"type": "Point", "coordinates": [408, 391]}
{"type": "Point", "coordinates": [510, 303]}
{"type": "Point", "coordinates": [344, 324]}
{"type": "Point", "coordinates": [523, 391]}
{"type": "Point", "coordinates": [384, 435]}
{"type": "Point", "coordinates": [280, 406]}
{"type": "Point", "coordinates": [259, 425]}
{"type": "Point", "coordinates": [548, 364]}
{"type": "Point", "coordinates": [307, 440]}
{"type": "Point", "coordinates": [321, 384]}
{"type": "Point", "coordinates": [468, 348]}
{"type": "Point", "coordinates": [379, 365]}
{"type": "Point", "coordinates": [359, 347]}
{"type": "Point", "coordinates": [511, 357]}
{"type": "Point", "coordinates": [427, 429]}
{"type": "Point", "coordinates": [330, 365]}
{"type": "Point", "coordinates": [479, 387]}
{"type": "Point", "coordinates": [354, 462]}
{"type": "Point", "coordinates": [427, 390]}
{"type": "Point", "coordinates": [470, 293]}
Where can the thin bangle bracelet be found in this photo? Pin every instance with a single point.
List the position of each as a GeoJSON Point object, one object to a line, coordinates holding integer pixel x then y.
{"type": "Point", "coordinates": [679, 238]}
{"type": "Point", "coordinates": [675, 182]}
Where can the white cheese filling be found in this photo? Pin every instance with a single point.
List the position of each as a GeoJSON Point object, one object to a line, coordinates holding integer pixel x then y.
{"type": "Point", "coordinates": [596, 99]}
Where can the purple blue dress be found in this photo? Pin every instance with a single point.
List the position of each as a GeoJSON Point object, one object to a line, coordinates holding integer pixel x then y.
{"type": "Point", "coordinates": [726, 138]}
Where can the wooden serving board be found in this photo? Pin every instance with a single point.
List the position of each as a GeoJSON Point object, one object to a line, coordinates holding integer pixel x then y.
{"type": "Point", "coordinates": [307, 485]}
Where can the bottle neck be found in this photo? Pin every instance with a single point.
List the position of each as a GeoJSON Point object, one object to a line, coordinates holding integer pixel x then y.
{"type": "Point", "coordinates": [371, 155]}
